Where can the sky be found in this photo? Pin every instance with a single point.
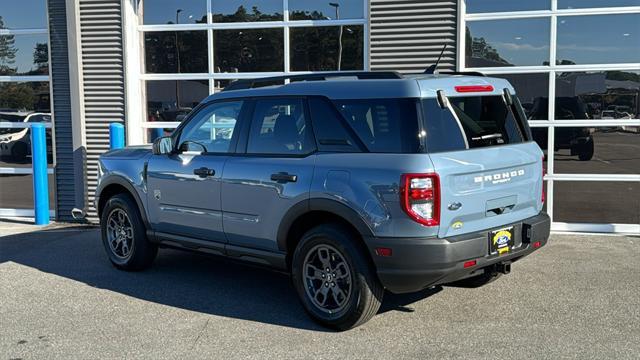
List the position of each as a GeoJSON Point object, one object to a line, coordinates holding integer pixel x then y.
{"type": "Point", "coordinates": [23, 14]}
{"type": "Point", "coordinates": [581, 39]}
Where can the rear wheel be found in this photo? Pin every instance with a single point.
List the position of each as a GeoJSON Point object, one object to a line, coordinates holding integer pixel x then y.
{"type": "Point", "coordinates": [124, 235]}
{"type": "Point", "coordinates": [585, 151]}
{"type": "Point", "coordinates": [334, 280]}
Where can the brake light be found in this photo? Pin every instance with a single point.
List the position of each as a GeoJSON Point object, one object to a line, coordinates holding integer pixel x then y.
{"type": "Point", "coordinates": [474, 88]}
{"type": "Point", "coordinates": [544, 172]}
{"type": "Point", "coordinates": [420, 197]}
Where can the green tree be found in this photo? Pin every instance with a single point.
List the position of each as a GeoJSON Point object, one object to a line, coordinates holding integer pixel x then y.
{"type": "Point", "coordinates": [8, 52]}
{"type": "Point", "coordinates": [41, 57]}
{"type": "Point", "coordinates": [478, 48]}
{"type": "Point", "coordinates": [17, 96]}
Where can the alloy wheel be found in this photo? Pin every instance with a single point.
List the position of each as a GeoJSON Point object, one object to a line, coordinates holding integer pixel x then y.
{"type": "Point", "coordinates": [327, 278]}
{"type": "Point", "coordinates": [120, 233]}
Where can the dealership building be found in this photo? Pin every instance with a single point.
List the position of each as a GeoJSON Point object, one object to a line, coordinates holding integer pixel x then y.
{"type": "Point", "coordinates": [79, 65]}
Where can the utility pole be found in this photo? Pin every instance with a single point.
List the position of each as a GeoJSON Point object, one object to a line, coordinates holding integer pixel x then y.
{"type": "Point", "coordinates": [337, 7]}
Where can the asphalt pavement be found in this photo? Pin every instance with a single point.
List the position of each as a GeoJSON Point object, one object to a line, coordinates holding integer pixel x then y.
{"type": "Point", "coordinates": [578, 297]}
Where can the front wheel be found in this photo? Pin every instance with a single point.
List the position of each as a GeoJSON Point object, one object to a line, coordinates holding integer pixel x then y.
{"type": "Point", "coordinates": [334, 280]}
{"type": "Point", "coordinates": [124, 235]}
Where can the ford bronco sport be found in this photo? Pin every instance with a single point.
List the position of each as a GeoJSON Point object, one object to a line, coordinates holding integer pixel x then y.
{"type": "Point", "coordinates": [353, 182]}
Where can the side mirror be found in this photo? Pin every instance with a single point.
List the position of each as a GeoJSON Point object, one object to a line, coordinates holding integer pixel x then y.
{"type": "Point", "coordinates": [163, 145]}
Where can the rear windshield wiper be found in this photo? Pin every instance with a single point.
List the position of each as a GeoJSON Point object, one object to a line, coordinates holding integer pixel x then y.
{"type": "Point", "coordinates": [487, 137]}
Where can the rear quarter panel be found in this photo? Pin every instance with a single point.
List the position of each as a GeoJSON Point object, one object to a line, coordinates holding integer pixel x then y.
{"type": "Point", "coordinates": [368, 183]}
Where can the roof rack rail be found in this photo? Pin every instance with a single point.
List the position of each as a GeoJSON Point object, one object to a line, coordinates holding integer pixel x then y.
{"type": "Point", "coordinates": [474, 73]}
{"type": "Point", "coordinates": [268, 81]}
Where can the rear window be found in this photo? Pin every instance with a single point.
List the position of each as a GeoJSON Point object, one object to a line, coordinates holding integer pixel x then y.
{"type": "Point", "coordinates": [383, 125]}
{"type": "Point", "coordinates": [486, 121]}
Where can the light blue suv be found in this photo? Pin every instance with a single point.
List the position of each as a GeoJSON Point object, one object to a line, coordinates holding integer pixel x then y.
{"type": "Point", "coordinates": [353, 182]}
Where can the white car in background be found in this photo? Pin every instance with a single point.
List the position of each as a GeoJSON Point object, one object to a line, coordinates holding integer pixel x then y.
{"type": "Point", "coordinates": [15, 143]}
{"type": "Point", "coordinates": [608, 114]}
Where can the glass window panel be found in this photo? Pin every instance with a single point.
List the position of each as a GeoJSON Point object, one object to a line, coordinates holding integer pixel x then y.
{"type": "Point", "coordinates": [318, 48]}
{"type": "Point", "coordinates": [601, 150]}
{"type": "Point", "coordinates": [15, 144]}
{"type": "Point", "coordinates": [518, 42]}
{"type": "Point", "coordinates": [582, 4]}
{"type": "Point", "coordinates": [163, 56]}
{"type": "Point", "coordinates": [18, 17]}
{"type": "Point", "coordinates": [329, 127]}
{"type": "Point", "coordinates": [533, 92]}
{"type": "Point", "coordinates": [174, 11]}
{"type": "Point", "coordinates": [212, 127]}
{"type": "Point", "coordinates": [598, 95]}
{"type": "Point", "coordinates": [321, 10]}
{"type": "Point", "coordinates": [169, 100]}
{"type": "Point", "coordinates": [24, 55]}
{"type": "Point", "coordinates": [279, 127]}
{"type": "Point", "coordinates": [541, 137]}
{"type": "Point", "coordinates": [598, 39]}
{"type": "Point", "coordinates": [220, 84]}
{"type": "Point", "coordinates": [482, 6]}
{"type": "Point", "coordinates": [246, 10]}
{"type": "Point", "coordinates": [17, 191]}
{"type": "Point", "coordinates": [254, 50]}
{"type": "Point", "coordinates": [596, 202]}
{"type": "Point", "coordinates": [377, 123]}
{"type": "Point", "coordinates": [24, 97]}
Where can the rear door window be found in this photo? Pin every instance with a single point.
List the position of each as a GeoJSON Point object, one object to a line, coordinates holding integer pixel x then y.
{"type": "Point", "coordinates": [279, 126]}
{"type": "Point", "coordinates": [486, 121]}
{"type": "Point", "coordinates": [383, 125]}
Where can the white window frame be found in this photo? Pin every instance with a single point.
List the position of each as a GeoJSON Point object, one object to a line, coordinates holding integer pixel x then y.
{"type": "Point", "coordinates": [26, 212]}
{"type": "Point", "coordinates": [553, 13]}
{"type": "Point", "coordinates": [136, 76]}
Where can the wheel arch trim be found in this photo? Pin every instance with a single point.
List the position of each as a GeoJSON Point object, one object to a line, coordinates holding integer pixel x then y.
{"type": "Point", "coordinates": [121, 181]}
{"type": "Point", "coordinates": [319, 204]}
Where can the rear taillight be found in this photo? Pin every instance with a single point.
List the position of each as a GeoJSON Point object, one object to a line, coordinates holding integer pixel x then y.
{"type": "Point", "coordinates": [544, 172]}
{"type": "Point", "coordinates": [420, 197]}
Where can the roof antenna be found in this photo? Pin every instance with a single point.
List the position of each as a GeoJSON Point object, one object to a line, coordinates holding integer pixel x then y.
{"type": "Point", "coordinates": [433, 69]}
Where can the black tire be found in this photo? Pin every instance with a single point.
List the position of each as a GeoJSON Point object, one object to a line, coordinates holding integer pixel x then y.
{"type": "Point", "coordinates": [477, 281]}
{"type": "Point", "coordinates": [141, 252]}
{"type": "Point", "coordinates": [366, 292]}
{"type": "Point", "coordinates": [586, 151]}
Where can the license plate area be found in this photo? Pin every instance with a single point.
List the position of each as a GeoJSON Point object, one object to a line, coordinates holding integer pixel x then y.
{"type": "Point", "coordinates": [501, 241]}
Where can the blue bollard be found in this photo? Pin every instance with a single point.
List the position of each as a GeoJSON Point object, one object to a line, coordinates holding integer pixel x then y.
{"type": "Point", "coordinates": [116, 136]}
{"type": "Point", "coordinates": [40, 177]}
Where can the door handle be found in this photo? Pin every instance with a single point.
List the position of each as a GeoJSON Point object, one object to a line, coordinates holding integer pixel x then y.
{"type": "Point", "coordinates": [284, 177]}
{"type": "Point", "coordinates": [204, 172]}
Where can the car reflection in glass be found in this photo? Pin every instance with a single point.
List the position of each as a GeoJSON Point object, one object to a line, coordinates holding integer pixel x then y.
{"type": "Point", "coordinates": [15, 143]}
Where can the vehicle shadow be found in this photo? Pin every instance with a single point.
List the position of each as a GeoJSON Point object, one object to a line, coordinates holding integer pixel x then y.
{"type": "Point", "coordinates": [185, 280]}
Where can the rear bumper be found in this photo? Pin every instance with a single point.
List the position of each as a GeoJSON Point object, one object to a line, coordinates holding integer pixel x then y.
{"type": "Point", "coordinates": [417, 263]}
